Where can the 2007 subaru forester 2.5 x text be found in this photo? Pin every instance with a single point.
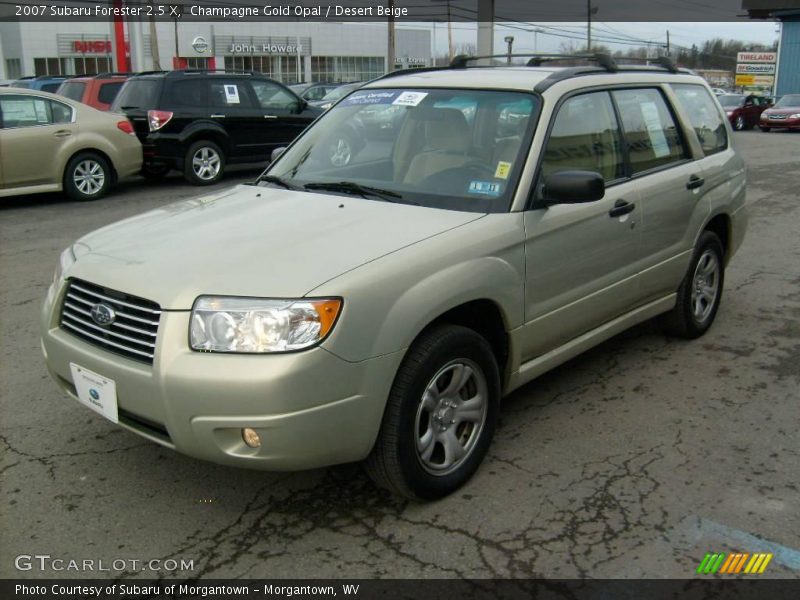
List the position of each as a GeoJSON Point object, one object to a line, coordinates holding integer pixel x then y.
{"type": "Point", "coordinates": [375, 300]}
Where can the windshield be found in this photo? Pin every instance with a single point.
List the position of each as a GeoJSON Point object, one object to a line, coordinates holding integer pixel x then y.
{"type": "Point", "coordinates": [137, 93]}
{"type": "Point", "coordinates": [731, 101]}
{"type": "Point", "coordinates": [788, 100]}
{"type": "Point", "coordinates": [452, 149]}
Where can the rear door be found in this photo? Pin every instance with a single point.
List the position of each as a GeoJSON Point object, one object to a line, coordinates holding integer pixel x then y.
{"type": "Point", "coordinates": [581, 267]}
{"type": "Point", "coordinates": [670, 184]}
{"type": "Point", "coordinates": [34, 130]}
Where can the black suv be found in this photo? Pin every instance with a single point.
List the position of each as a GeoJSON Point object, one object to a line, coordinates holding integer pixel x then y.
{"type": "Point", "coordinates": [199, 121]}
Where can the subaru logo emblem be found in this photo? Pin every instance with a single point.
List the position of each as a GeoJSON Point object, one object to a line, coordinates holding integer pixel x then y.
{"type": "Point", "coordinates": [103, 314]}
{"type": "Point", "coordinates": [200, 44]}
{"type": "Point", "coordinates": [94, 394]}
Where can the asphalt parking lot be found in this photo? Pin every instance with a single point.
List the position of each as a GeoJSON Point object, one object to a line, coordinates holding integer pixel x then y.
{"type": "Point", "coordinates": [633, 460]}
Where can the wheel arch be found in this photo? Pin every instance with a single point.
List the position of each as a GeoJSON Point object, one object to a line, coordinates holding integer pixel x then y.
{"type": "Point", "coordinates": [720, 224]}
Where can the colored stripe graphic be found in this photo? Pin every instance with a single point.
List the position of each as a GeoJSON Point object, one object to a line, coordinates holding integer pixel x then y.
{"type": "Point", "coordinates": [736, 562]}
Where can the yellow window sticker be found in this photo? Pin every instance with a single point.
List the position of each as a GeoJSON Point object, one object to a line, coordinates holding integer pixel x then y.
{"type": "Point", "coordinates": [503, 169]}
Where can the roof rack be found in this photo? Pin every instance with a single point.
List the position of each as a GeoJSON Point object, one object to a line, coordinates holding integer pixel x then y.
{"type": "Point", "coordinates": [176, 72]}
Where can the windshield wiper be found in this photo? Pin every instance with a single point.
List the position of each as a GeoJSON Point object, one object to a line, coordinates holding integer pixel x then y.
{"type": "Point", "coordinates": [277, 181]}
{"type": "Point", "coordinates": [349, 187]}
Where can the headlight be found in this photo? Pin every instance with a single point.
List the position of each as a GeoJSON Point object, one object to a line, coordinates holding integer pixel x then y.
{"type": "Point", "coordinates": [326, 106]}
{"type": "Point", "coordinates": [795, 116]}
{"type": "Point", "coordinates": [764, 116]}
{"type": "Point", "coordinates": [255, 325]}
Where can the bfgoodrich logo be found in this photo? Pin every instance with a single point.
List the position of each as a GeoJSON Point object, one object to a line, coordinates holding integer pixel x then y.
{"type": "Point", "coordinates": [734, 563]}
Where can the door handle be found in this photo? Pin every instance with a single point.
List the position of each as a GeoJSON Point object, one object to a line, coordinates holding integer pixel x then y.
{"type": "Point", "coordinates": [270, 116]}
{"type": "Point", "coordinates": [217, 116]}
{"type": "Point", "coordinates": [694, 182]}
{"type": "Point", "coordinates": [621, 207]}
{"type": "Point", "coordinates": [62, 133]}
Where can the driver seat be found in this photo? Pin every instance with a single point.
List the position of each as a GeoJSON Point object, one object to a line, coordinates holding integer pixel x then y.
{"type": "Point", "coordinates": [447, 140]}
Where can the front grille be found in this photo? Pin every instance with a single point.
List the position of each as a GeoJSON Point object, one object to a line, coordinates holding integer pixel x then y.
{"type": "Point", "coordinates": [778, 117]}
{"type": "Point", "coordinates": [133, 331]}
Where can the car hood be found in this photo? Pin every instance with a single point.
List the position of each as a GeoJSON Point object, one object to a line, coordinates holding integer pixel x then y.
{"type": "Point", "coordinates": [250, 241]}
{"type": "Point", "coordinates": [783, 110]}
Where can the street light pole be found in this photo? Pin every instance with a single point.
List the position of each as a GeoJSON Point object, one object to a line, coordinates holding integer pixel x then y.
{"type": "Point", "coordinates": [509, 39]}
{"type": "Point", "coordinates": [588, 25]}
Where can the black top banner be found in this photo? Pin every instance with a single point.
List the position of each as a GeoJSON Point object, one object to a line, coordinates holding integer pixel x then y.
{"type": "Point", "coordinates": [523, 11]}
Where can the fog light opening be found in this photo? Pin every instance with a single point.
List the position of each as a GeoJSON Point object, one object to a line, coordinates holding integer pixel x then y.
{"type": "Point", "coordinates": [251, 437]}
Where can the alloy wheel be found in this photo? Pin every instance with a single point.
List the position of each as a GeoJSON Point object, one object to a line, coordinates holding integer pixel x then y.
{"type": "Point", "coordinates": [206, 163]}
{"type": "Point", "coordinates": [705, 285]}
{"type": "Point", "coordinates": [89, 177]}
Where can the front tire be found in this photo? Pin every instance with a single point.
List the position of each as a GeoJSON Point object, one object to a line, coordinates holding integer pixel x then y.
{"type": "Point", "coordinates": [204, 163]}
{"type": "Point", "coordinates": [700, 293]}
{"type": "Point", "coordinates": [87, 177]}
{"type": "Point", "coordinates": [738, 123]}
{"type": "Point", "coordinates": [440, 416]}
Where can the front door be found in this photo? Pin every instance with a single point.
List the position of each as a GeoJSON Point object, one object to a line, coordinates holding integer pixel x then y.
{"type": "Point", "coordinates": [281, 116]}
{"type": "Point", "coordinates": [581, 258]}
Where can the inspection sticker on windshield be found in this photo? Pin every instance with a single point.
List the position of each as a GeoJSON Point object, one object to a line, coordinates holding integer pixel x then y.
{"type": "Point", "coordinates": [95, 391]}
{"type": "Point", "coordinates": [368, 97]}
{"type": "Point", "coordinates": [232, 94]}
{"type": "Point", "coordinates": [410, 98]}
{"type": "Point", "coordinates": [485, 188]}
{"type": "Point", "coordinates": [502, 170]}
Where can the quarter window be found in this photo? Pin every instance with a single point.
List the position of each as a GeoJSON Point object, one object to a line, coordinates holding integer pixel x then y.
{"type": "Point", "coordinates": [585, 136]}
{"type": "Point", "coordinates": [704, 116]}
{"type": "Point", "coordinates": [650, 132]}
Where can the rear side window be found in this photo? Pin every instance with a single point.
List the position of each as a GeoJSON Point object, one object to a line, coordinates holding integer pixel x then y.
{"type": "Point", "coordinates": [229, 94]}
{"type": "Point", "coordinates": [190, 93]}
{"type": "Point", "coordinates": [61, 113]}
{"type": "Point", "coordinates": [585, 136]}
{"type": "Point", "coordinates": [30, 111]}
{"type": "Point", "coordinates": [651, 135]}
{"type": "Point", "coordinates": [51, 87]}
{"type": "Point", "coordinates": [73, 90]}
{"type": "Point", "coordinates": [138, 93]}
{"type": "Point", "coordinates": [704, 115]}
{"type": "Point", "coordinates": [109, 91]}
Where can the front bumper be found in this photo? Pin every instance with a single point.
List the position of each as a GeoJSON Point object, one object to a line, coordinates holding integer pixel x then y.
{"type": "Point", "coordinates": [311, 408]}
{"type": "Point", "coordinates": [780, 123]}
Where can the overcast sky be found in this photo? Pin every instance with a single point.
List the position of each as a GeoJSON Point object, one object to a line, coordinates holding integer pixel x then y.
{"type": "Point", "coordinates": [553, 35]}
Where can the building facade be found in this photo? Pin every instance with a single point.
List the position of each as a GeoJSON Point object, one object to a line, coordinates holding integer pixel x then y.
{"type": "Point", "coordinates": [287, 51]}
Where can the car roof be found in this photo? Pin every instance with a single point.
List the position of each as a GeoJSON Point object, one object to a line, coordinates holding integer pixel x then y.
{"type": "Point", "coordinates": [518, 78]}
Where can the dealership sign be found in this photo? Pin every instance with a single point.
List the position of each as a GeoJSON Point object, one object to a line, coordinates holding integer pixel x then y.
{"type": "Point", "coordinates": [757, 57]}
{"type": "Point", "coordinates": [756, 69]}
{"type": "Point", "coordinates": [763, 80]}
{"type": "Point", "coordinates": [91, 46]}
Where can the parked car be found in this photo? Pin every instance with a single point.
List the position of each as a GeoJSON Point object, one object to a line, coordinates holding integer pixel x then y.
{"type": "Point", "coordinates": [98, 91]}
{"type": "Point", "coordinates": [336, 94]}
{"type": "Point", "coordinates": [200, 121]}
{"type": "Point", "coordinates": [43, 83]}
{"type": "Point", "coordinates": [313, 91]}
{"type": "Point", "coordinates": [744, 112]}
{"type": "Point", "coordinates": [49, 143]}
{"type": "Point", "coordinates": [378, 310]}
{"type": "Point", "coordinates": [785, 114]}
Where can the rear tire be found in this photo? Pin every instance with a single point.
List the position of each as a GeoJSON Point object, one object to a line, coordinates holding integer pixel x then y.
{"type": "Point", "coordinates": [87, 177]}
{"type": "Point", "coordinates": [700, 293]}
{"type": "Point", "coordinates": [204, 163]}
{"type": "Point", "coordinates": [440, 416]}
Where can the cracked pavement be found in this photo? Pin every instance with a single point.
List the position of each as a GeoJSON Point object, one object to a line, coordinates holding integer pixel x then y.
{"type": "Point", "coordinates": [632, 460]}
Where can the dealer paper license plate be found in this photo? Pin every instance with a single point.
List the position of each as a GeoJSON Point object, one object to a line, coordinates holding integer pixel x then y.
{"type": "Point", "coordinates": [95, 391]}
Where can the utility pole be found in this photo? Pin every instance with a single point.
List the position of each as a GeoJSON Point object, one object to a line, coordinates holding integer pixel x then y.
{"type": "Point", "coordinates": [390, 58]}
{"type": "Point", "coordinates": [668, 50]}
{"type": "Point", "coordinates": [449, 35]}
{"type": "Point", "coordinates": [588, 25]}
{"type": "Point", "coordinates": [154, 43]}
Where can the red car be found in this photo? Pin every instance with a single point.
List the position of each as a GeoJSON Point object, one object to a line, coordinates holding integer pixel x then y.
{"type": "Point", "coordinates": [98, 91]}
{"type": "Point", "coordinates": [744, 112]}
{"type": "Point", "coordinates": [785, 114]}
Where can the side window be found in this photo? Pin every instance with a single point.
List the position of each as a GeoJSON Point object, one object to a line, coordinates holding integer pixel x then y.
{"type": "Point", "coordinates": [585, 136]}
{"type": "Point", "coordinates": [649, 129]}
{"type": "Point", "coordinates": [271, 96]}
{"type": "Point", "coordinates": [25, 111]}
{"type": "Point", "coordinates": [190, 93]}
{"type": "Point", "coordinates": [315, 93]}
{"type": "Point", "coordinates": [108, 91]}
{"type": "Point", "coordinates": [61, 113]}
{"type": "Point", "coordinates": [229, 94]}
{"type": "Point", "coordinates": [704, 114]}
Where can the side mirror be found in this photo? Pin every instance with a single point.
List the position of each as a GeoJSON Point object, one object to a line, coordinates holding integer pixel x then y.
{"type": "Point", "coordinates": [276, 154]}
{"type": "Point", "coordinates": [574, 187]}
